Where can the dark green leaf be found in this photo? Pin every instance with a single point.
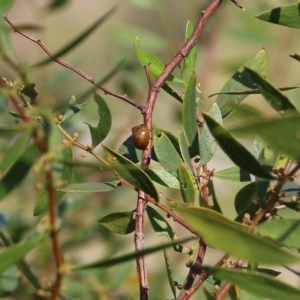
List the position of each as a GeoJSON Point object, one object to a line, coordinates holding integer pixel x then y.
{"type": "Point", "coordinates": [130, 172]}
{"type": "Point", "coordinates": [187, 185]}
{"type": "Point", "coordinates": [147, 58]}
{"type": "Point", "coordinates": [243, 201]}
{"type": "Point", "coordinates": [166, 153]}
{"type": "Point", "coordinates": [189, 116]}
{"type": "Point", "coordinates": [29, 90]}
{"type": "Point", "coordinates": [287, 15]}
{"type": "Point", "coordinates": [71, 45]}
{"type": "Point", "coordinates": [241, 80]}
{"type": "Point", "coordinates": [272, 94]}
{"type": "Point", "coordinates": [256, 283]}
{"type": "Point", "coordinates": [234, 174]}
{"type": "Point", "coordinates": [18, 171]}
{"type": "Point", "coordinates": [109, 262]}
{"type": "Point", "coordinates": [235, 150]}
{"type": "Point", "coordinates": [57, 3]}
{"type": "Point", "coordinates": [119, 222]}
{"type": "Point", "coordinates": [92, 187]}
{"type": "Point", "coordinates": [207, 144]}
{"type": "Point", "coordinates": [72, 109]}
{"type": "Point", "coordinates": [100, 132]}
{"type": "Point", "coordinates": [15, 253]}
{"type": "Point", "coordinates": [221, 232]}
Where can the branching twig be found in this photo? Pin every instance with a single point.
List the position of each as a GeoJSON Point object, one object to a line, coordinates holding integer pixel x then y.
{"type": "Point", "coordinates": [74, 69]}
{"type": "Point", "coordinates": [159, 82]}
{"type": "Point", "coordinates": [43, 147]}
{"type": "Point", "coordinates": [274, 194]}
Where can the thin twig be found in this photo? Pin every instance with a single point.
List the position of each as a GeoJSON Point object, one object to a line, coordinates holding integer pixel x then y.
{"type": "Point", "coordinates": [159, 82]}
{"type": "Point", "coordinates": [238, 5]}
{"type": "Point", "coordinates": [274, 194]}
{"type": "Point", "coordinates": [43, 147]}
{"type": "Point", "coordinates": [193, 271]}
{"type": "Point", "coordinates": [74, 69]}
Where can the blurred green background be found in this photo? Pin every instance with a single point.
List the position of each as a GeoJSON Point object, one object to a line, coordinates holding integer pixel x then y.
{"type": "Point", "coordinates": [231, 37]}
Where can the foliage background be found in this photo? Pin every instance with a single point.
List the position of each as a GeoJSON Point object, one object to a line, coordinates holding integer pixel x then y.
{"type": "Point", "coordinates": [230, 38]}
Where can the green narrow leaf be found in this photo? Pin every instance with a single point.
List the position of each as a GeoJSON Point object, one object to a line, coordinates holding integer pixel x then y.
{"type": "Point", "coordinates": [233, 174]}
{"type": "Point", "coordinates": [9, 279]}
{"type": "Point", "coordinates": [169, 273]}
{"type": "Point", "coordinates": [92, 187]}
{"type": "Point", "coordinates": [256, 283]}
{"type": "Point", "coordinates": [7, 130]}
{"type": "Point", "coordinates": [235, 150]}
{"type": "Point", "coordinates": [42, 203]}
{"type": "Point", "coordinates": [207, 144]}
{"type": "Point", "coordinates": [243, 201]}
{"type": "Point", "coordinates": [253, 91]}
{"type": "Point", "coordinates": [220, 232]}
{"type": "Point", "coordinates": [18, 171]}
{"type": "Point", "coordinates": [130, 172]}
{"type": "Point", "coordinates": [184, 150]}
{"type": "Point", "coordinates": [72, 109]}
{"type": "Point", "coordinates": [71, 45]}
{"type": "Point", "coordinates": [271, 129]}
{"type": "Point", "coordinates": [189, 116]}
{"type": "Point", "coordinates": [287, 15]}
{"type": "Point", "coordinates": [190, 59]}
{"type": "Point", "coordinates": [119, 222]}
{"type": "Point", "coordinates": [109, 262]}
{"type": "Point", "coordinates": [273, 95]}
{"type": "Point", "coordinates": [172, 92]}
{"type": "Point", "coordinates": [15, 150]}
{"type": "Point", "coordinates": [155, 65]}
{"type": "Point", "coordinates": [285, 231]}
{"type": "Point", "coordinates": [57, 3]}
{"type": "Point", "coordinates": [159, 174]}
{"type": "Point", "coordinates": [241, 80]}
{"type": "Point", "coordinates": [100, 132]}
{"type": "Point", "coordinates": [162, 227]}
{"type": "Point", "coordinates": [15, 253]}
{"type": "Point", "coordinates": [186, 181]}
{"type": "Point", "coordinates": [166, 153]}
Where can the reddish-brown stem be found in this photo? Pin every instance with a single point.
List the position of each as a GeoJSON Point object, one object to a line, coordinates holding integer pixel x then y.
{"type": "Point", "coordinates": [223, 292]}
{"type": "Point", "coordinates": [199, 260]}
{"type": "Point", "coordinates": [139, 245]}
{"type": "Point", "coordinates": [155, 87]}
{"type": "Point", "coordinates": [43, 147]}
{"type": "Point", "coordinates": [53, 232]}
{"type": "Point", "coordinates": [74, 69]}
{"type": "Point", "coordinates": [274, 194]}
